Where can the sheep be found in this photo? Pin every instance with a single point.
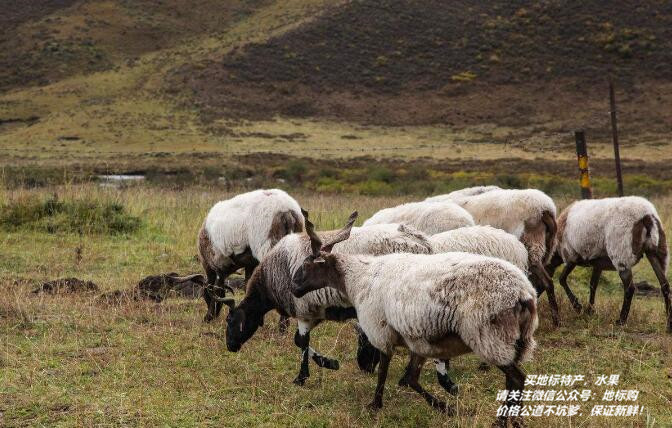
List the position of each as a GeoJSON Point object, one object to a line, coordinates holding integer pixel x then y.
{"type": "Point", "coordinates": [427, 218]}
{"type": "Point", "coordinates": [612, 234]}
{"type": "Point", "coordinates": [528, 214]}
{"type": "Point", "coordinates": [437, 306]}
{"type": "Point", "coordinates": [270, 288]}
{"type": "Point", "coordinates": [483, 240]}
{"type": "Point", "coordinates": [237, 233]}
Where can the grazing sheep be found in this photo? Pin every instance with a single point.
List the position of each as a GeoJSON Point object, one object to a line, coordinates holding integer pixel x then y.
{"type": "Point", "coordinates": [612, 234]}
{"type": "Point", "coordinates": [483, 240]}
{"type": "Point", "coordinates": [529, 214]}
{"type": "Point", "coordinates": [438, 306]}
{"type": "Point", "coordinates": [270, 287]}
{"type": "Point", "coordinates": [427, 218]}
{"type": "Point", "coordinates": [238, 233]}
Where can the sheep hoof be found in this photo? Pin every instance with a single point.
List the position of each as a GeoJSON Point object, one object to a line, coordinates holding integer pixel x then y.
{"type": "Point", "coordinates": [403, 382]}
{"type": "Point", "coordinates": [300, 380]}
{"type": "Point", "coordinates": [589, 311]}
{"type": "Point", "coordinates": [441, 407]}
{"type": "Point", "coordinates": [484, 367]}
{"type": "Point", "coordinates": [453, 390]}
{"type": "Point", "coordinates": [578, 308]}
{"type": "Point", "coordinates": [375, 405]}
{"type": "Point", "coordinates": [326, 363]}
{"type": "Point", "coordinates": [621, 322]}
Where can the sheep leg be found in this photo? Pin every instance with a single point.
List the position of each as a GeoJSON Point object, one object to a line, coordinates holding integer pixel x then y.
{"type": "Point", "coordinates": [211, 274]}
{"type": "Point", "coordinates": [515, 381]}
{"type": "Point", "coordinates": [546, 282]}
{"type": "Point", "coordinates": [216, 290]}
{"type": "Point", "coordinates": [628, 292]}
{"type": "Point", "coordinates": [594, 280]}
{"type": "Point", "coordinates": [283, 324]}
{"type": "Point", "coordinates": [413, 369]}
{"type": "Point", "coordinates": [442, 376]}
{"type": "Point", "coordinates": [302, 340]}
{"type": "Point", "coordinates": [555, 262]}
{"type": "Point", "coordinates": [664, 286]}
{"type": "Point", "coordinates": [569, 267]}
{"type": "Point", "coordinates": [377, 402]}
{"type": "Point", "coordinates": [368, 355]}
{"type": "Point", "coordinates": [411, 377]}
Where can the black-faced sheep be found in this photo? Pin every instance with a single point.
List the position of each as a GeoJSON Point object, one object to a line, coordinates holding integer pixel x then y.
{"type": "Point", "coordinates": [270, 287]}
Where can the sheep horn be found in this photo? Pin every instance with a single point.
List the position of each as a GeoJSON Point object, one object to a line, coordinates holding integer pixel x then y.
{"type": "Point", "coordinates": [228, 301]}
{"type": "Point", "coordinates": [342, 234]}
{"type": "Point", "coordinates": [315, 241]}
{"type": "Point", "coordinates": [197, 277]}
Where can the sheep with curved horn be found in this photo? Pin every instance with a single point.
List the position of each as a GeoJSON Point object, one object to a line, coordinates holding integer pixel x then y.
{"type": "Point", "coordinates": [270, 287]}
{"type": "Point", "coordinates": [438, 306]}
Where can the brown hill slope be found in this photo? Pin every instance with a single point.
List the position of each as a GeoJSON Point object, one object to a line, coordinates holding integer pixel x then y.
{"type": "Point", "coordinates": [459, 62]}
{"type": "Point", "coordinates": [42, 41]}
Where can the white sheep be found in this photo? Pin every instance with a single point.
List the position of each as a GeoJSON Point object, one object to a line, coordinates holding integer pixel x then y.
{"type": "Point", "coordinates": [438, 306]}
{"type": "Point", "coordinates": [612, 234]}
{"type": "Point", "coordinates": [427, 218]}
{"type": "Point", "coordinates": [238, 232]}
{"type": "Point", "coordinates": [528, 214]}
{"type": "Point", "coordinates": [483, 240]}
{"type": "Point", "coordinates": [270, 288]}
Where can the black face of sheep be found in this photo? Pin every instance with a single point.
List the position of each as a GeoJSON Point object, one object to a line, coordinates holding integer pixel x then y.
{"type": "Point", "coordinates": [320, 269]}
{"type": "Point", "coordinates": [315, 273]}
{"type": "Point", "coordinates": [241, 324]}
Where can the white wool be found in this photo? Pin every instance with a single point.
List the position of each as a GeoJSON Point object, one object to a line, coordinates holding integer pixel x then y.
{"type": "Point", "coordinates": [374, 240]}
{"type": "Point", "coordinates": [507, 209]}
{"type": "Point", "coordinates": [413, 300]}
{"type": "Point", "coordinates": [597, 228]}
{"type": "Point", "coordinates": [245, 221]}
{"type": "Point", "coordinates": [462, 193]}
{"type": "Point", "coordinates": [430, 218]}
{"type": "Point", "coordinates": [483, 240]}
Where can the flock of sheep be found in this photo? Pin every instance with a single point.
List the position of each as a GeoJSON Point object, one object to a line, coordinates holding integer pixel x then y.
{"type": "Point", "coordinates": [450, 275]}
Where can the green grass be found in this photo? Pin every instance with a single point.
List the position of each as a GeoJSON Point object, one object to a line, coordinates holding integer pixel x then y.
{"type": "Point", "coordinates": [68, 360]}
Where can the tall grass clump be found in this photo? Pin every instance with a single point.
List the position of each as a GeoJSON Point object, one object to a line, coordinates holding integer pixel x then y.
{"type": "Point", "coordinates": [52, 215]}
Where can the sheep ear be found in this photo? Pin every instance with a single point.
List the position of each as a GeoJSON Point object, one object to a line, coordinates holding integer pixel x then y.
{"type": "Point", "coordinates": [342, 234]}
{"type": "Point", "coordinates": [315, 241]}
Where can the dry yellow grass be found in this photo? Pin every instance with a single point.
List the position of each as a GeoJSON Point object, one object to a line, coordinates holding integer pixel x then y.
{"type": "Point", "coordinates": [70, 361]}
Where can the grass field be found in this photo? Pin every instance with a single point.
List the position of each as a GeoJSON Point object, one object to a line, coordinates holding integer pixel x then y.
{"type": "Point", "coordinates": [69, 360]}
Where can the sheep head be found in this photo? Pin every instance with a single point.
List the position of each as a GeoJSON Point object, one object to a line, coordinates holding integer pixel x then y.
{"type": "Point", "coordinates": [320, 269]}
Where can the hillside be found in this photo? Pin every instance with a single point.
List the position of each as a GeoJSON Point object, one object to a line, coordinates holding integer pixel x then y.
{"type": "Point", "coordinates": [417, 62]}
{"type": "Point", "coordinates": [44, 41]}
{"type": "Point", "coordinates": [102, 83]}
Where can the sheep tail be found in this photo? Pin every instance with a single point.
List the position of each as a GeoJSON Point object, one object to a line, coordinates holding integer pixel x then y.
{"type": "Point", "coordinates": [548, 219]}
{"type": "Point", "coordinates": [527, 322]}
{"type": "Point", "coordinates": [661, 249]}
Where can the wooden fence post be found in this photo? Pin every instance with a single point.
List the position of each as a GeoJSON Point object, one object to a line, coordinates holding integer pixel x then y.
{"type": "Point", "coordinates": [582, 154]}
{"type": "Point", "coordinates": [614, 136]}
